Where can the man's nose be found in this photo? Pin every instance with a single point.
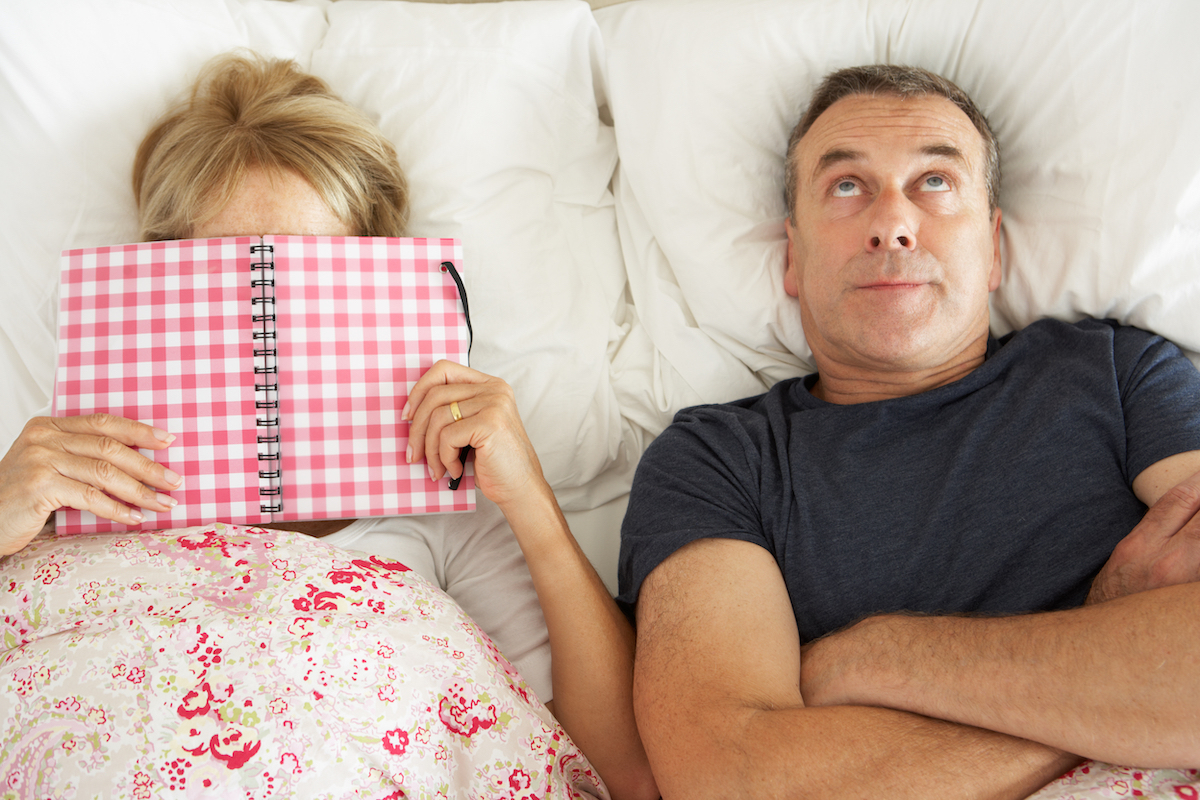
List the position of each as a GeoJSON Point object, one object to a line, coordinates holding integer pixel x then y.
{"type": "Point", "coordinates": [892, 227]}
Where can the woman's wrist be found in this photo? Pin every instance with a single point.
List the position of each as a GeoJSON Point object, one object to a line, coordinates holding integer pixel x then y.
{"type": "Point", "coordinates": [539, 525]}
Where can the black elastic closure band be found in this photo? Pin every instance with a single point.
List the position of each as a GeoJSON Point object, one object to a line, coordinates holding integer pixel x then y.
{"type": "Point", "coordinates": [448, 266]}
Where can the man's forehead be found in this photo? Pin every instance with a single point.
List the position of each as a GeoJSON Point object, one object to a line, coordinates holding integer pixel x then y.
{"type": "Point", "coordinates": [855, 126]}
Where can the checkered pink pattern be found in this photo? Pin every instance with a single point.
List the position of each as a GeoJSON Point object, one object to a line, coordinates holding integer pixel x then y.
{"type": "Point", "coordinates": [359, 321]}
{"type": "Point", "coordinates": [161, 332]}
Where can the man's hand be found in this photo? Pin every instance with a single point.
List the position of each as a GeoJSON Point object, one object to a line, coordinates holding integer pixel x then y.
{"type": "Point", "coordinates": [80, 462]}
{"type": "Point", "coordinates": [1163, 550]}
{"type": "Point", "coordinates": [827, 675]}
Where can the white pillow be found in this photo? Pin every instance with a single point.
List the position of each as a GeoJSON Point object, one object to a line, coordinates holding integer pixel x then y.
{"type": "Point", "coordinates": [493, 109]}
{"type": "Point", "coordinates": [80, 84]}
{"type": "Point", "coordinates": [1093, 104]}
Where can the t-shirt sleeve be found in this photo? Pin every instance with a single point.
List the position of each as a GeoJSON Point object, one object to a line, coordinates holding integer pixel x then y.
{"type": "Point", "coordinates": [699, 479]}
{"type": "Point", "coordinates": [1160, 397]}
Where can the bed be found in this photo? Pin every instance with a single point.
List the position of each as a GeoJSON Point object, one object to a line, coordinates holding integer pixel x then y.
{"type": "Point", "coordinates": [614, 173]}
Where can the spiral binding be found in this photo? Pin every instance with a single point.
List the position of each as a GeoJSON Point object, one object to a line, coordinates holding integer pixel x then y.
{"type": "Point", "coordinates": [266, 381]}
{"type": "Point", "coordinates": [266, 372]}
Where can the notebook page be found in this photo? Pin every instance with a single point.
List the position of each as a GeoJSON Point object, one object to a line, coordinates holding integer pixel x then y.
{"type": "Point", "coordinates": [359, 320]}
{"type": "Point", "coordinates": [159, 332]}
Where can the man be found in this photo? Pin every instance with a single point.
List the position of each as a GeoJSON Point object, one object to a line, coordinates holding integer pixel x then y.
{"type": "Point", "coordinates": [924, 468]}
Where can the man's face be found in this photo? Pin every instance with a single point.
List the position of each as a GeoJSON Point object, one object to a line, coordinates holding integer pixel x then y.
{"type": "Point", "coordinates": [894, 250]}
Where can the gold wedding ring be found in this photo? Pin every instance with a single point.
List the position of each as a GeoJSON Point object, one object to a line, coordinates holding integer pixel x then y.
{"type": "Point", "coordinates": [455, 412]}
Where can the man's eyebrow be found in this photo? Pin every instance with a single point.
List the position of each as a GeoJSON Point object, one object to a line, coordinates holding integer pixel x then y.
{"type": "Point", "coordinates": [835, 157]}
{"type": "Point", "coordinates": [842, 155]}
{"type": "Point", "coordinates": [944, 151]}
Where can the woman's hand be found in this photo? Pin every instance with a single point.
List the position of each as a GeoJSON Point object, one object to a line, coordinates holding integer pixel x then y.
{"type": "Point", "coordinates": [505, 464]}
{"type": "Point", "coordinates": [80, 462]}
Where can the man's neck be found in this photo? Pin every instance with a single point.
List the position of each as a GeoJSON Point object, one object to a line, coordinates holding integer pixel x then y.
{"type": "Point", "coordinates": [846, 385]}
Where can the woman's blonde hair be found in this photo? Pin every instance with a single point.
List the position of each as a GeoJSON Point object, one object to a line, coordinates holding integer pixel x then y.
{"type": "Point", "coordinates": [246, 112]}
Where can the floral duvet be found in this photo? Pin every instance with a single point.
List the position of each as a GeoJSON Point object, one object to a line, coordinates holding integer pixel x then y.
{"type": "Point", "coordinates": [233, 662]}
{"type": "Point", "coordinates": [236, 662]}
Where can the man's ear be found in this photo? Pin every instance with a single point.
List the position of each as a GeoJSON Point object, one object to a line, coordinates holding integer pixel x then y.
{"type": "Point", "coordinates": [790, 283]}
{"type": "Point", "coordinates": [994, 278]}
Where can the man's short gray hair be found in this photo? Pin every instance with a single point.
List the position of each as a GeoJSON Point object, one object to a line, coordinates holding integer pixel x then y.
{"type": "Point", "coordinates": [895, 81]}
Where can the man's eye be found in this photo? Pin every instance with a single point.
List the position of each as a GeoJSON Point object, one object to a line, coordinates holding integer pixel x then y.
{"type": "Point", "coordinates": [846, 189]}
{"type": "Point", "coordinates": [935, 183]}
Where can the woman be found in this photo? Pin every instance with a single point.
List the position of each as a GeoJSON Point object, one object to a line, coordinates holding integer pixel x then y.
{"type": "Point", "coordinates": [261, 148]}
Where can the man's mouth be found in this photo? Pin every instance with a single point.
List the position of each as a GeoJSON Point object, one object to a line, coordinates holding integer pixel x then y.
{"type": "Point", "coordinates": [893, 284]}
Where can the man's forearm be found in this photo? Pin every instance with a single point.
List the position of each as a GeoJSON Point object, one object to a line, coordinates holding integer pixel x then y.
{"type": "Point", "coordinates": [720, 710]}
{"type": "Point", "coordinates": [1118, 681]}
{"type": "Point", "coordinates": [853, 752]}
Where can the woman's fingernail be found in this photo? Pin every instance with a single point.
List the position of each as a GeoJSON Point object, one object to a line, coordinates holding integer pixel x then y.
{"type": "Point", "coordinates": [137, 517]}
{"type": "Point", "coordinates": [404, 412]}
{"type": "Point", "coordinates": [172, 477]}
{"type": "Point", "coordinates": [430, 468]}
{"type": "Point", "coordinates": [163, 436]}
{"type": "Point", "coordinates": [166, 500]}
{"type": "Point", "coordinates": [408, 454]}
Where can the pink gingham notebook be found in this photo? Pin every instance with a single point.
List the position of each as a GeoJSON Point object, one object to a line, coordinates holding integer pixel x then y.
{"type": "Point", "coordinates": [283, 416]}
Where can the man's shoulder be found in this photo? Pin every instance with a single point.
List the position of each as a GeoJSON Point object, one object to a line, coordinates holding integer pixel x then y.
{"type": "Point", "coordinates": [1051, 330]}
{"type": "Point", "coordinates": [784, 396]}
{"type": "Point", "coordinates": [1088, 338]}
{"type": "Point", "coordinates": [729, 431]}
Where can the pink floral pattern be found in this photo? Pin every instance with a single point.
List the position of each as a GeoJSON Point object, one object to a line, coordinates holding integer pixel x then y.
{"type": "Point", "coordinates": [222, 661]}
{"type": "Point", "coordinates": [1095, 780]}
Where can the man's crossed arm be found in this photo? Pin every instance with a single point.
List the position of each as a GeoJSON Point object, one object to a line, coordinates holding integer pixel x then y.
{"type": "Point", "coordinates": [909, 706]}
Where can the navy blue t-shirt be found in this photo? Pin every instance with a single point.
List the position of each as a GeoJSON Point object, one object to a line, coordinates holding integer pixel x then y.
{"type": "Point", "coordinates": [1003, 492]}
